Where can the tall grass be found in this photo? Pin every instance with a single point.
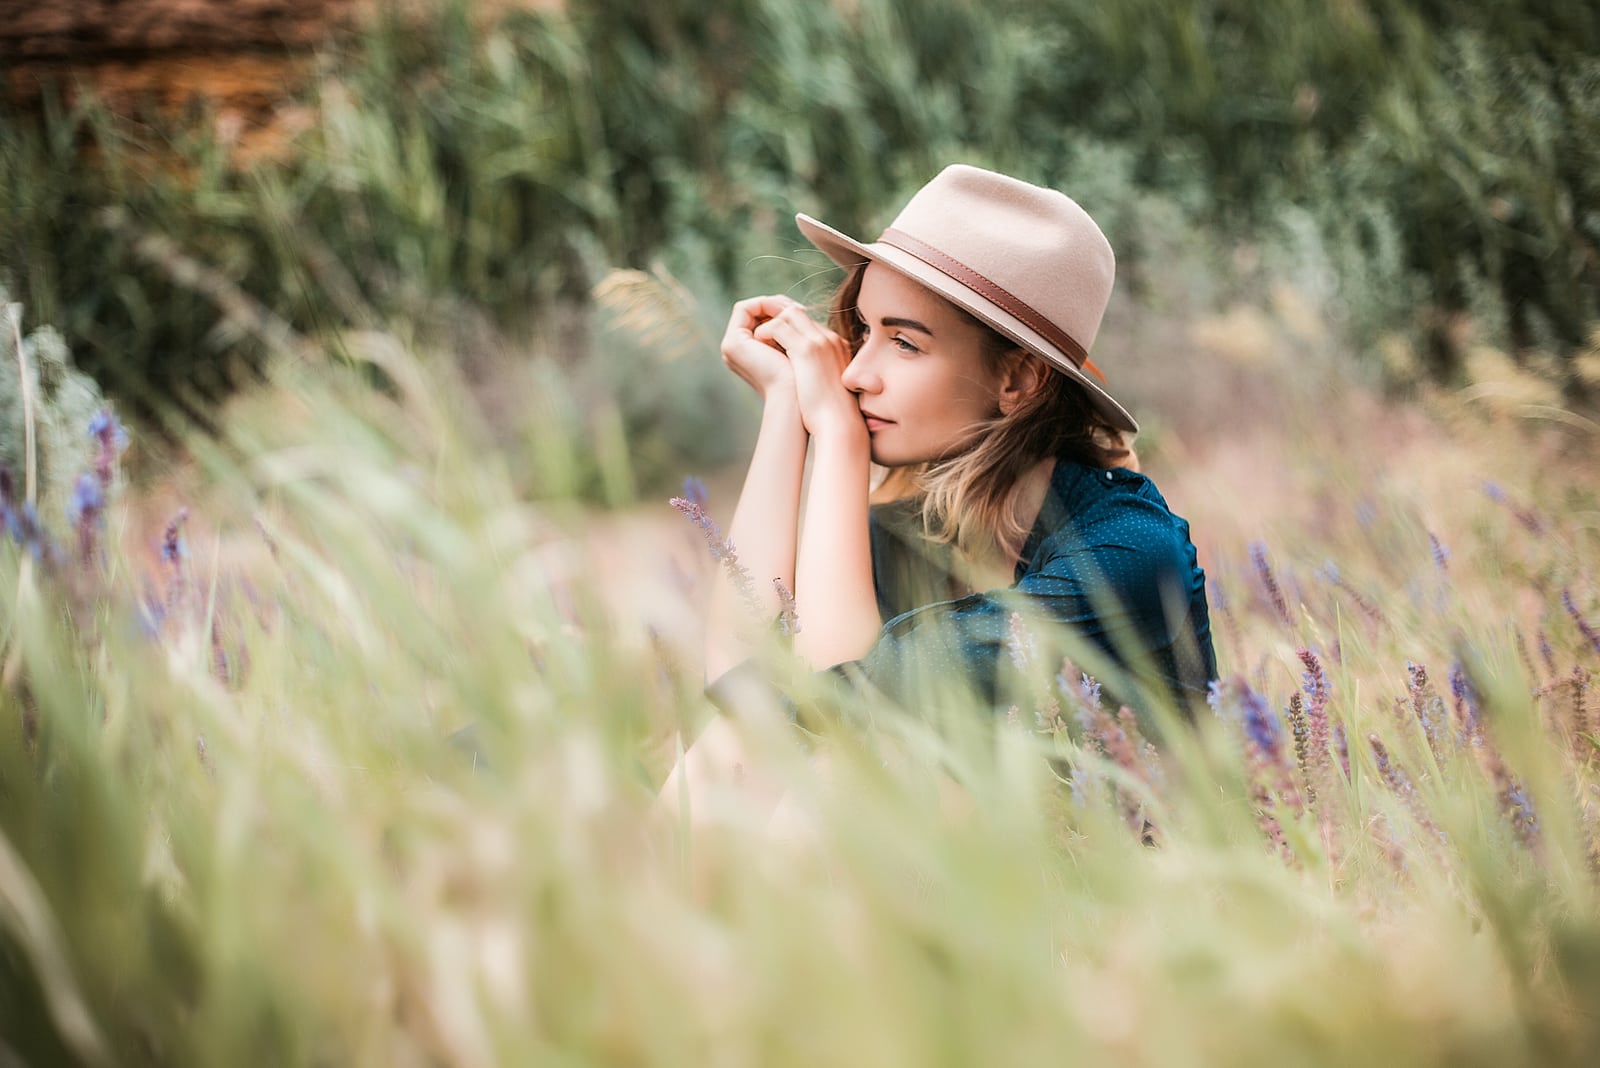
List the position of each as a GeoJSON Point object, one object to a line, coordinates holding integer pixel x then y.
{"type": "Point", "coordinates": [240, 824]}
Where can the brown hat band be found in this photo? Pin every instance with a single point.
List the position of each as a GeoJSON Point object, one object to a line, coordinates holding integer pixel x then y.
{"type": "Point", "coordinates": [994, 294]}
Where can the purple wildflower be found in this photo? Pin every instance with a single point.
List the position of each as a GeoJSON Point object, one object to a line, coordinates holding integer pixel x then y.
{"type": "Point", "coordinates": [1441, 554]}
{"type": "Point", "coordinates": [173, 549]}
{"type": "Point", "coordinates": [1515, 804]}
{"type": "Point", "coordinates": [723, 551]}
{"type": "Point", "coordinates": [1329, 573]}
{"type": "Point", "coordinates": [1465, 700]}
{"type": "Point", "coordinates": [1341, 745]}
{"type": "Point", "coordinates": [86, 515]}
{"type": "Point", "coordinates": [1082, 692]}
{"type": "Point", "coordinates": [1400, 785]}
{"type": "Point", "coordinates": [1089, 690]}
{"type": "Point", "coordinates": [788, 616]}
{"type": "Point", "coordinates": [1258, 558]}
{"type": "Point", "coordinates": [1546, 653]}
{"type": "Point", "coordinates": [29, 533]}
{"type": "Point", "coordinates": [1214, 693]}
{"type": "Point", "coordinates": [1429, 710]}
{"type": "Point", "coordinates": [694, 491]}
{"type": "Point", "coordinates": [1318, 692]}
{"type": "Point", "coordinates": [1584, 626]}
{"type": "Point", "coordinates": [173, 554]}
{"type": "Point", "coordinates": [1301, 731]}
{"type": "Point", "coordinates": [1529, 519]}
{"type": "Point", "coordinates": [1261, 724]}
{"type": "Point", "coordinates": [111, 440]}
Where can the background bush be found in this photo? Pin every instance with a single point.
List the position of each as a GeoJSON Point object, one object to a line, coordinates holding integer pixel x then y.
{"type": "Point", "coordinates": [464, 166]}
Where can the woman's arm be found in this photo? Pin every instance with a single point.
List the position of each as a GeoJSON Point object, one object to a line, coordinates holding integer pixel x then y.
{"type": "Point", "coordinates": [763, 531]}
{"type": "Point", "coordinates": [763, 534]}
{"type": "Point", "coordinates": [834, 594]}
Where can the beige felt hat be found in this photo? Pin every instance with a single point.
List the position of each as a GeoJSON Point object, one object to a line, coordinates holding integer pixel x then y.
{"type": "Point", "coordinates": [1028, 261]}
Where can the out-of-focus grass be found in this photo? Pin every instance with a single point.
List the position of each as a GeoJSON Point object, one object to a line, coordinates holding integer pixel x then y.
{"type": "Point", "coordinates": [236, 828]}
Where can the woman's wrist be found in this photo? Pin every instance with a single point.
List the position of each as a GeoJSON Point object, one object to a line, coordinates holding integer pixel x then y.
{"type": "Point", "coordinates": [779, 405]}
{"type": "Point", "coordinates": [843, 438]}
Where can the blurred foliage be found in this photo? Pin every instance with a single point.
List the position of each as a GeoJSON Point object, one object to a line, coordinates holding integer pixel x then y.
{"type": "Point", "coordinates": [40, 386]}
{"type": "Point", "coordinates": [1447, 157]}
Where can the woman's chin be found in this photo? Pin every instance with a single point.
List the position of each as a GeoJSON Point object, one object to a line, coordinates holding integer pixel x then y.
{"type": "Point", "coordinates": [892, 458]}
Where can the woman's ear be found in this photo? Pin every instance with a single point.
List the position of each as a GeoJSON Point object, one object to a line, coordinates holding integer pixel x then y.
{"type": "Point", "coordinates": [1022, 374]}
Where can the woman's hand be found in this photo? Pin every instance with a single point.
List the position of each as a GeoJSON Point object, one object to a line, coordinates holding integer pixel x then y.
{"type": "Point", "coordinates": [818, 357]}
{"type": "Point", "coordinates": [757, 360]}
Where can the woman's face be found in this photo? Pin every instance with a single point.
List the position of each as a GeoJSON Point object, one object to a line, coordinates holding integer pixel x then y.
{"type": "Point", "coordinates": [919, 375]}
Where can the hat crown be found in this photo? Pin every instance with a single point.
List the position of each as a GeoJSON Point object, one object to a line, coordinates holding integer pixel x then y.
{"type": "Point", "coordinates": [1027, 261]}
{"type": "Point", "coordinates": [1036, 244]}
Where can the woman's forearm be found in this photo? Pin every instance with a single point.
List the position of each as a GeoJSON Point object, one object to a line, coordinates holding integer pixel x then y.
{"type": "Point", "coordinates": [834, 594]}
{"type": "Point", "coordinates": [763, 533]}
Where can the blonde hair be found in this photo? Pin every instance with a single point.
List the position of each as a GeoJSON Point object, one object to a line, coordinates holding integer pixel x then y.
{"type": "Point", "coordinates": [971, 498]}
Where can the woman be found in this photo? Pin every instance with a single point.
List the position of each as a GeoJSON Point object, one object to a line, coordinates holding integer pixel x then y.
{"type": "Point", "coordinates": [955, 357]}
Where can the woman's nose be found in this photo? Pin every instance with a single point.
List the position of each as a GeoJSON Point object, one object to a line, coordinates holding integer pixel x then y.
{"type": "Point", "coordinates": [859, 376]}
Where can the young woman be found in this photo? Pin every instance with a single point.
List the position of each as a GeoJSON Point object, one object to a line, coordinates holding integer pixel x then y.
{"type": "Point", "coordinates": [956, 358]}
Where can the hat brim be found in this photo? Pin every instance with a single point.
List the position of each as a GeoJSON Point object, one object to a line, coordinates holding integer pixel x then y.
{"type": "Point", "coordinates": [847, 252]}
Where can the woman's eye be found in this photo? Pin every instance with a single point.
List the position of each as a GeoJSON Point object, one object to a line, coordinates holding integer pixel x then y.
{"type": "Point", "coordinates": [903, 344]}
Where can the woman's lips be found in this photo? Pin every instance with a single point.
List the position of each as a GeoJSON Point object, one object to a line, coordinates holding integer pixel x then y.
{"type": "Point", "coordinates": [875, 422]}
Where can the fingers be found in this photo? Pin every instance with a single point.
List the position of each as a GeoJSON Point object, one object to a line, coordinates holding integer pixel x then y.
{"type": "Point", "coordinates": [753, 311]}
{"type": "Point", "coordinates": [798, 334]}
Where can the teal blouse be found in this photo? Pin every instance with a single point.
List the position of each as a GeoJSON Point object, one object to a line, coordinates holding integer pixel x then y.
{"type": "Point", "coordinates": [1106, 558]}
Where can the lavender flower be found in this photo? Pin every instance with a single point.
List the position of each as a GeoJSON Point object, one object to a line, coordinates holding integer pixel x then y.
{"type": "Point", "coordinates": [1261, 724]}
{"type": "Point", "coordinates": [1258, 558]}
{"type": "Point", "coordinates": [1515, 804]}
{"type": "Point", "coordinates": [86, 515]}
{"type": "Point", "coordinates": [1329, 573]}
{"type": "Point", "coordinates": [173, 553]}
{"type": "Point", "coordinates": [1465, 699]}
{"type": "Point", "coordinates": [694, 491]}
{"type": "Point", "coordinates": [1301, 730]}
{"type": "Point", "coordinates": [22, 521]}
{"type": "Point", "coordinates": [111, 441]}
{"type": "Point", "coordinates": [1530, 520]}
{"type": "Point", "coordinates": [1318, 692]}
{"type": "Point", "coordinates": [1082, 693]}
{"type": "Point", "coordinates": [1441, 554]}
{"type": "Point", "coordinates": [1215, 594]}
{"type": "Point", "coordinates": [788, 616]}
{"type": "Point", "coordinates": [173, 549]}
{"type": "Point", "coordinates": [1584, 626]}
{"type": "Point", "coordinates": [723, 551]}
{"type": "Point", "coordinates": [1429, 710]}
{"type": "Point", "coordinates": [1401, 786]}
{"type": "Point", "coordinates": [1546, 653]}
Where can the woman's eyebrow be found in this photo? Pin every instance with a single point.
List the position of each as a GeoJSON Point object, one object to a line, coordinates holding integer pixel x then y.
{"type": "Point", "coordinates": [908, 324]}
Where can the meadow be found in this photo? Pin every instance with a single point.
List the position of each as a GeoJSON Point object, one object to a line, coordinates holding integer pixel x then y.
{"type": "Point", "coordinates": [334, 721]}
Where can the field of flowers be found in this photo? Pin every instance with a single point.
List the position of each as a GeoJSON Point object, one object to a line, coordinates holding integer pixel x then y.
{"type": "Point", "coordinates": [241, 822]}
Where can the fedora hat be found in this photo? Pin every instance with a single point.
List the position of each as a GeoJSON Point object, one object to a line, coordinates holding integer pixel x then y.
{"type": "Point", "coordinates": [1025, 260]}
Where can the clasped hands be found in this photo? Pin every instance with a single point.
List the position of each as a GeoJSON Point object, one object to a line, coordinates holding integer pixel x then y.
{"type": "Point", "coordinates": [782, 352]}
